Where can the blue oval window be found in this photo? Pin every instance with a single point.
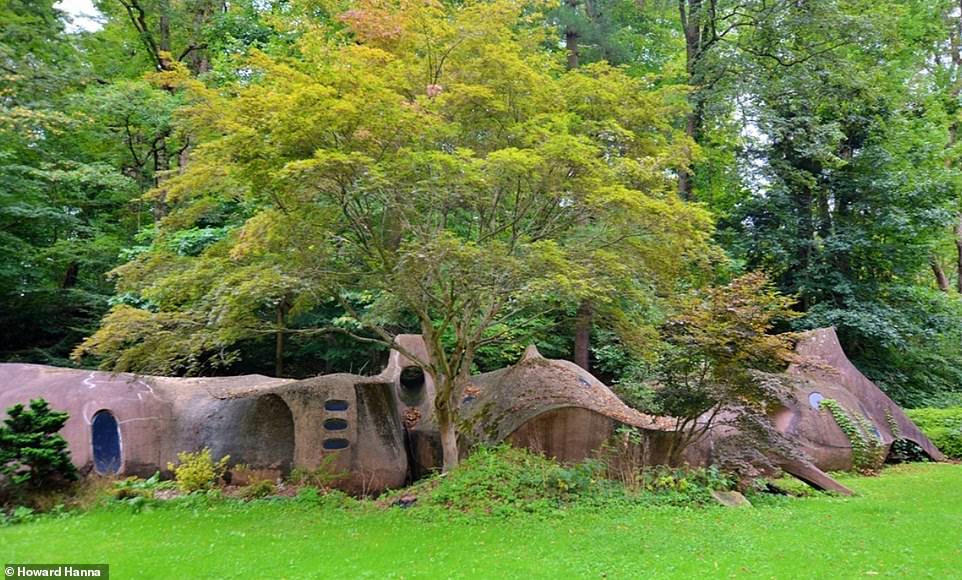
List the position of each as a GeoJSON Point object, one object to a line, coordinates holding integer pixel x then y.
{"type": "Point", "coordinates": [815, 400]}
{"type": "Point", "coordinates": [335, 405]}
{"type": "Point", "coordinates": [105, 434]}
{"type": "Point", "coordinates": [335, 444]}
{"type": "Point", "coordinates": [335, 424]}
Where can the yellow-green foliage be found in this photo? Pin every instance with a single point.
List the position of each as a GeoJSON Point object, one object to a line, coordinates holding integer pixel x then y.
{"type": "Point", "coordinates": [432, 154]}
{"type": "Point", "coordinates": [198, 471]}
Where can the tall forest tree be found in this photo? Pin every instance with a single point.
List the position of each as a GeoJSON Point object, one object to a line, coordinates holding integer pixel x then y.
{"type": "Point", "coordinates": [851, 189]}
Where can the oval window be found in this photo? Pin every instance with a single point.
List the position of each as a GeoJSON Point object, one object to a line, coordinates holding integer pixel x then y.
{"type": "Point", "coordinates": [815, 400]}
{"type": "Point", "coordinates": [105, 435]}
{"type": "Point", "coordinates": [335, 405]}
{"type": "Point", "coordinates": [336, 443]}
{"type": "Point", "coordinates": [335, 424]}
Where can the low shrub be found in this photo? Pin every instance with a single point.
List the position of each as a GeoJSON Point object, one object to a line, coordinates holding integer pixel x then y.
{"type": "Point", "coordinates": [322, 476]}
{"type": "Point", "coordinates": [198, 471]}
{"type": "Point", "coordinates": [505, 480]}
{"type": "Point", "coordinates": [942, 426]}
{"type": "Point", "coordinates": [325, 498]}
{"type": "Point", "coordinates": [18, 515]}
{"type": "Point", "coordinates": [491, 479]}
{"type": "Point", "coordinates": [257, 489]}
{"type": "Point", "coordinates": [134, 487]}
{"type": "Point", "coordinates": [242, 475]}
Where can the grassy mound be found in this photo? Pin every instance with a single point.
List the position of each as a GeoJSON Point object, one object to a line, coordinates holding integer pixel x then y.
{"type": "Point", "coordinates": [504, 480]}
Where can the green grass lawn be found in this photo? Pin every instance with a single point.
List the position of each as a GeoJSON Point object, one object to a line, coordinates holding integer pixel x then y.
{"type": "Point", "coordinates": [905, 523]}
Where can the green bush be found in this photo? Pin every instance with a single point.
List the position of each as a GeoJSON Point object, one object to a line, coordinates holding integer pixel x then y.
{"type": "Point", "coordinates": [32, 452]}
{"type": "Point", "coordinates": [505, 480]}
{"type": "Point", "coordinates": [134, 487]}
{"type": "Point", "coordinates": [322, 476]}
{"type": "Point", "coordinates": [942, 426]}
{"type": "Point", "coordinates": [258, 489]}
{"type": "Point", "coordinates": [18, 515]}
{"type": "Point", "coordinates": [327, 498]}
{"type": "Point", "coordinates": [198, 471]}
{"type": "Point", "coordinates": [492, 479]}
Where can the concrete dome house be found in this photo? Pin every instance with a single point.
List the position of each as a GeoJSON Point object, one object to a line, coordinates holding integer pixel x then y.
{"type": "Point", "coordinates": [382, 430]}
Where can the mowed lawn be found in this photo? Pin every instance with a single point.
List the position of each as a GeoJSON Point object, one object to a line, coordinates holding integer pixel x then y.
{"type": "Point", "coordinates": [905, 523]}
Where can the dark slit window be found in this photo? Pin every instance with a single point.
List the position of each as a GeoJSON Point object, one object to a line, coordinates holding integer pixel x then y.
{"type": "Point", "coordinates": [335, 443]}
{"type": "Point", "coordinates": [106, 442]}
{"type": "Point", "coordinates": [335, 405]}
{"type": "Point", "coordinates": [335, 424]}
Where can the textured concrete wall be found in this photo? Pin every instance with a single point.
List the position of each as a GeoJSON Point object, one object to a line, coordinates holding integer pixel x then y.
{"type": "Point", "coordinates": [569, 434]}
{"type": "Point", "coordinates": [143, 416]}
{"type": "Point", "coordinates": [262, 422]}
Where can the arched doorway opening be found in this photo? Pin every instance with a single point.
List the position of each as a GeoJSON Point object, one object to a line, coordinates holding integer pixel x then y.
{"type": "Point", "coordinates": [107, 449]}
{"type": "Point", "coordinates": [263, 436]}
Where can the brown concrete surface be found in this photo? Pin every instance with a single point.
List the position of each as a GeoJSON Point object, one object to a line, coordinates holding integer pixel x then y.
{"type": "Point", "coordinates": [827, 372]}
{"type": "Point", "coordinates": [262, 422]}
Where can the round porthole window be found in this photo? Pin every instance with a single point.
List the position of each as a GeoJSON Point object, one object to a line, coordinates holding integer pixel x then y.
{"type": "Point", "coordinates": [815, 400]}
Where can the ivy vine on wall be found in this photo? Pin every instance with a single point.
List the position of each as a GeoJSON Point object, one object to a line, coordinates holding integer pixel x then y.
{"type": "Point", "coordinates": [868, 453]}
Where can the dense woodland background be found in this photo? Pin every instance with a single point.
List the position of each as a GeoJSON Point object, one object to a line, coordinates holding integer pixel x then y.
{"type": "Point", "coordinates": [210, 187]}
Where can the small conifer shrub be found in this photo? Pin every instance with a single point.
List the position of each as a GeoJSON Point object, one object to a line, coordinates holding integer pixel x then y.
{"type": "Point", "coordinates": [33, 455]}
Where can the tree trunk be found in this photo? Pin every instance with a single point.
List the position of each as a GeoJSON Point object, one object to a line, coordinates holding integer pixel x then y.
{"type": "Point", "coordinates": [685, 182]}
{"type": "Point", "coordinates": [449, 446]}
{"type": "Point", "coordinates": [279, 347]}
{"type": "Point", "coordinates": [958, 260]}
{"type": "Point", "coordinates": [70, 276]}
{"type": "Point", "coordinates": [940, 277]}
{"type": "Point", "coordinates": [164, 26]}
{"type": "Point", "coordinates": [444, 411]}
{"type": "Point", "coordinates": [690, 12]}
{"type": "Point", "coordinates": [583, 323]}
{"type": "Point", "coordinates": [571, 38]}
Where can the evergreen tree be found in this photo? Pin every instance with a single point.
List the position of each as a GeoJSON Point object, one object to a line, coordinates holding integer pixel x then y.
{"type": "Point", "coordinates": [32, 452]}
